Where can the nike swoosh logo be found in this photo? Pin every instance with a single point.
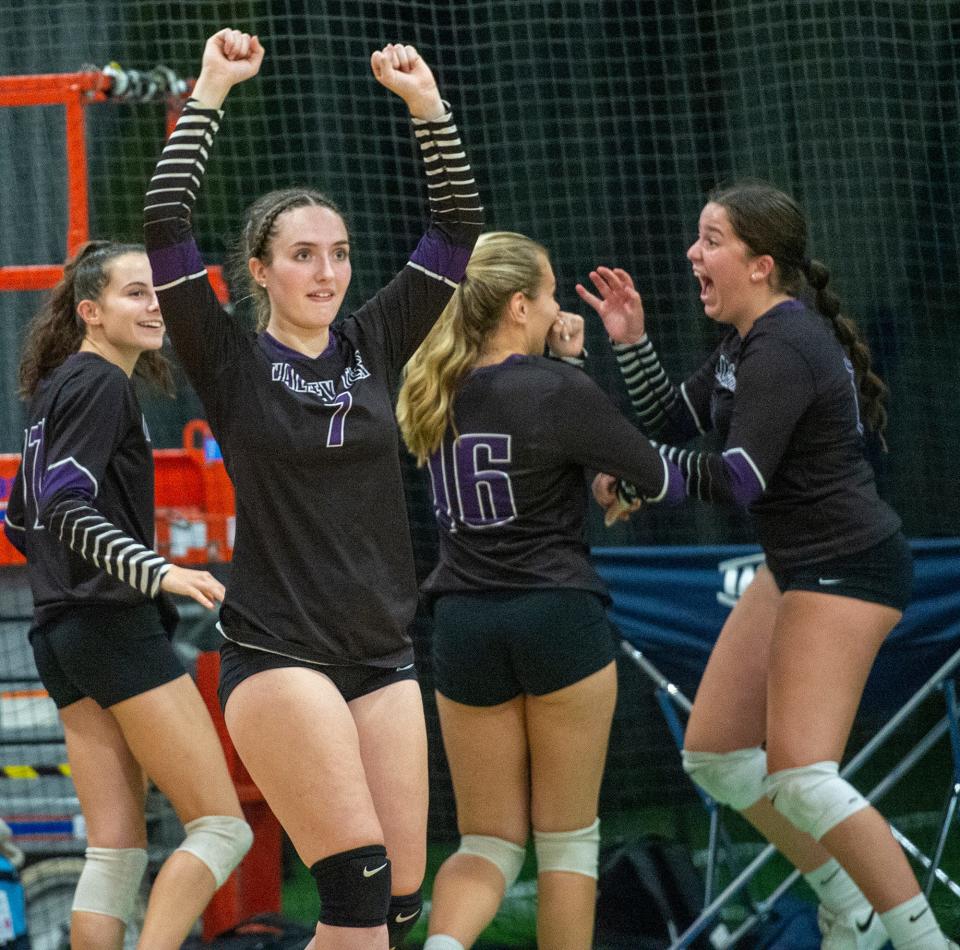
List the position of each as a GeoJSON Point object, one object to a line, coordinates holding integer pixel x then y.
{"type": "Point", "coordinates": [829, 581]}
{"type": "Point", "coordinates": [865, 926]}
{"type": "Point", "coordinates": [913, 919]}
{"type": "Point", "coordinates": [368, 873]}
{"type": "Point", "coordinates": [401, 919]}
{"type": "Point", "coordinates": [827, 880]}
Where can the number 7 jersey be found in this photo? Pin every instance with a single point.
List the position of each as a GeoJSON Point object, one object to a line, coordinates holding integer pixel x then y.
{"type": "Point", "coordinates": [322, 562]}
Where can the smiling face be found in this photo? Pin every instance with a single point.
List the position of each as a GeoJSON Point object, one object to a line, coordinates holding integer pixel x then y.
{"type": "Point", "coordinates": [124, 321]}
{"type": "Point", "coordinates": [306, 271]}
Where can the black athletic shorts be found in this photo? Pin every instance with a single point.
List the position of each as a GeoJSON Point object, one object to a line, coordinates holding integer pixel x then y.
{"type": "Point", "coordinates": [882, 574]}
{"type": "Point", "coordinates": [104, 652]}
{"type": "Point", "coordinates": [238, 662]}
{"type": "Point", "coordinates": [492, 646]}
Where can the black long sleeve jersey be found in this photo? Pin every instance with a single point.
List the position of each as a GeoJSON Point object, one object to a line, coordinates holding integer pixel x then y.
{"type": "Point", "coordinates": [784, 401]}
{"type": "Point", "coordinates": [81, 507]}
{"type": "Point", "coordinates": [322, 564]}
{"type": "Point", "coordinates": [508, 479]}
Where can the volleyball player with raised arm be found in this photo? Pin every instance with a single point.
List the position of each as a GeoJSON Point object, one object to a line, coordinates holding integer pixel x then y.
{"type": "Point", "coordinates": [317, 676]}
{"type": "Point", "coordinates": [523, 652]}
{"type": "Point", "coordinates": [81, 511]}
{"type": "Point", "coordinates": [790, 390]}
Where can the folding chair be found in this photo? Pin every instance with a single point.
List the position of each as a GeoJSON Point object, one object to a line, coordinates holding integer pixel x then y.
{"type": "Point", "coordinates": [670, 603]}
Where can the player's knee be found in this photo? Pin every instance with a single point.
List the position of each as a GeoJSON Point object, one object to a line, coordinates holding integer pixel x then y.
{"type": "Point", "coordinates": [506, 856]}
{"type": "Point", "coordinates": [813, 797]}
{"type": "Point", "coordinates": [574, 851]}
{"type": "Point", "coordinates": [219, 841]}
{"type": "Point", "coordinates": [730, 778]}
{"type": "Point", "coordinates": [110, 881]}
{"type": "Point", "coordinates": [402, 916]}
{"type": "Point", "coordinates": [354, 887]}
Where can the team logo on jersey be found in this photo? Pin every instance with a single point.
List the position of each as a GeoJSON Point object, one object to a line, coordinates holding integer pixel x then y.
{"type": "Point", "coordinates": [325, 389]}
{"type": "Point", "coordinates": [353, 374]}
{"type": "Point", "coordinates": [286, 374]}
{"type": "Point", "coordinates": [737, 573]}
{"type": "Point", "coordinates": [726, 374]}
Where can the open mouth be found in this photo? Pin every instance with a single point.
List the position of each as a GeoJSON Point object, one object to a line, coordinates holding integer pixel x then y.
{"type": "Point", "coordinates": [321, 296]}
{"type": "Point", "coordinates": [706, 284]}
{"type": "Point", "coordinates": [151, 324]}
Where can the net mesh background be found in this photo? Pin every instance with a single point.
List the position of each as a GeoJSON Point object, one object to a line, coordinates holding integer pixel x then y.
{"type": "Point", "coordinates": [595, 127]}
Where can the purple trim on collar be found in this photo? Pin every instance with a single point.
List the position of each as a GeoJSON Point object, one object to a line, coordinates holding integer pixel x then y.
{"type": "Point", "coordinates": [179, 260]}
{"type": "Point", "coordinates": [437, 254]}
{"type": "Point", "coordinates": [273, 347]}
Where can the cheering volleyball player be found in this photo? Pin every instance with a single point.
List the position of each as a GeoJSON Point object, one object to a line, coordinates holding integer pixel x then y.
{"type": "Point", "coordinates": [81, 510]}
{"type": "Point", "coordinates": [523, 653]}
{"type": "Point", "coordinates": [317, 675]}
{"type": "Point", "coordinates": [790, 390]}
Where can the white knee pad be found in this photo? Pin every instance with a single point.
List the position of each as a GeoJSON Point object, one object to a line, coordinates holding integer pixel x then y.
{"type": "Point", "coordinates": [813, 797]}
{"type": "Point", "coordinates": [506, 856]}
{"type": "Point", "coordinates": [219, 841]}
{"type": "Point", "coordinates": [574, 851]}
{"type": "Point", "coordinates": [730, 778]}
{"type": "Point", "coordinates": [110, 881]}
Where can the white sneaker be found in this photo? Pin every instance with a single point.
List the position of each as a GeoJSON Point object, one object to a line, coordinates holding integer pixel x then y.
{"type": "Point", "coordinates": [859, 929]}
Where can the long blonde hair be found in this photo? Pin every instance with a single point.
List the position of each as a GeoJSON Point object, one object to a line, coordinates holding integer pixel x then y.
{"type": "Point", "coordinates": [502, 264]}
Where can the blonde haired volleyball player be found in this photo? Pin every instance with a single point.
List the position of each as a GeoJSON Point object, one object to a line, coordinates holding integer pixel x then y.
{"type": "Point", "coordinates": [523, 653]}
{"type": "Point", "coordinates": [81, 510]}
{"type": "Point", "coordinates": [317, 677]}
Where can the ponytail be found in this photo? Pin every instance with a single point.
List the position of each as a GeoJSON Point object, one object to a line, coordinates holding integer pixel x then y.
{"type": "Point", "coordinates": [873, 391]}
{"type": "Point", "coordinates": [502, 264]}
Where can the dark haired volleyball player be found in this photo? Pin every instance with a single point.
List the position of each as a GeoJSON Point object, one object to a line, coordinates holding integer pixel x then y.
{"type": "Point", "coordinates": [790, 391]}
{"type": "Point", "coordinates": [81, 510]}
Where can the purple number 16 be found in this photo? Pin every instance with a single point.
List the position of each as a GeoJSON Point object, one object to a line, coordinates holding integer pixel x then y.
{"type": "Point", "coordinates": [471, 484]}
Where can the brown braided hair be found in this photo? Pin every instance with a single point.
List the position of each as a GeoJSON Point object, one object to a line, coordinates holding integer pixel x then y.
{"type": "Point", "coordinates": [57, 330]}
{"type": "Point", "coordinates": [770, 222]}
{"type": "Point", "coordinates": [259, 230]}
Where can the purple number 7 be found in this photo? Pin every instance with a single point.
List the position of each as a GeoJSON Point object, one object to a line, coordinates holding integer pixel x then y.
{"type": "Point", "coordinates": [340, 405]}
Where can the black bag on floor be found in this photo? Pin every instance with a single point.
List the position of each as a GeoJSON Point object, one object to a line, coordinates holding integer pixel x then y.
{"type": "Point", "coordinates": [648, 893]}
{"type": "Point", "coordinates": [261, 932]}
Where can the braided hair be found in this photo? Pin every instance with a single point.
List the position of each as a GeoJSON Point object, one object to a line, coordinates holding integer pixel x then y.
{"type": "Point", "coordinates": [770, 222]}
{"type": "Point", "coordinates": [259, 230]}
{"type": "Point", "coordinates": [57, 330]}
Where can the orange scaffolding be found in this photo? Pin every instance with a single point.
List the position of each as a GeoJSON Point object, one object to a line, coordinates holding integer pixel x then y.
{"type": "Point", "coordinates": [75, 91]}
{"type": "Point", "coordinates": [255, 885]}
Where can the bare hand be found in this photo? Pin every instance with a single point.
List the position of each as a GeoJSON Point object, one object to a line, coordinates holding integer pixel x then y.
{"type": "Point", "coordinates": [203, 587]}
{"type": "Point", "coordinates": [402, 70]}
{"type": "Point", "coordinates": [566, 335]}
{"type": "Point", "coordinates": [605, 489]}
{"type": "Point", "coordinates": [230, 57]}
{"type": "Point", "coordinates": [619, 305]}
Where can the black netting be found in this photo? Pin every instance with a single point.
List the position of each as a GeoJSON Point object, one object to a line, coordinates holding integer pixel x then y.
{"type": "Point", "coordinates": [597, 128]}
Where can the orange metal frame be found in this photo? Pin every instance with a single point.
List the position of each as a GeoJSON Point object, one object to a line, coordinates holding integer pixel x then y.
{"type": "Point", "coordinates": [255, 886]}
{"type": "Point", "coordinates": [73, 91]}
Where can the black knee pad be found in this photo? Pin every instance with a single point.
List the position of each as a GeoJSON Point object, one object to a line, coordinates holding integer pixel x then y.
{"type": "Point", "coordinates": [402, 917]}
{"type": "Point", "coordinates": [354, 887]}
